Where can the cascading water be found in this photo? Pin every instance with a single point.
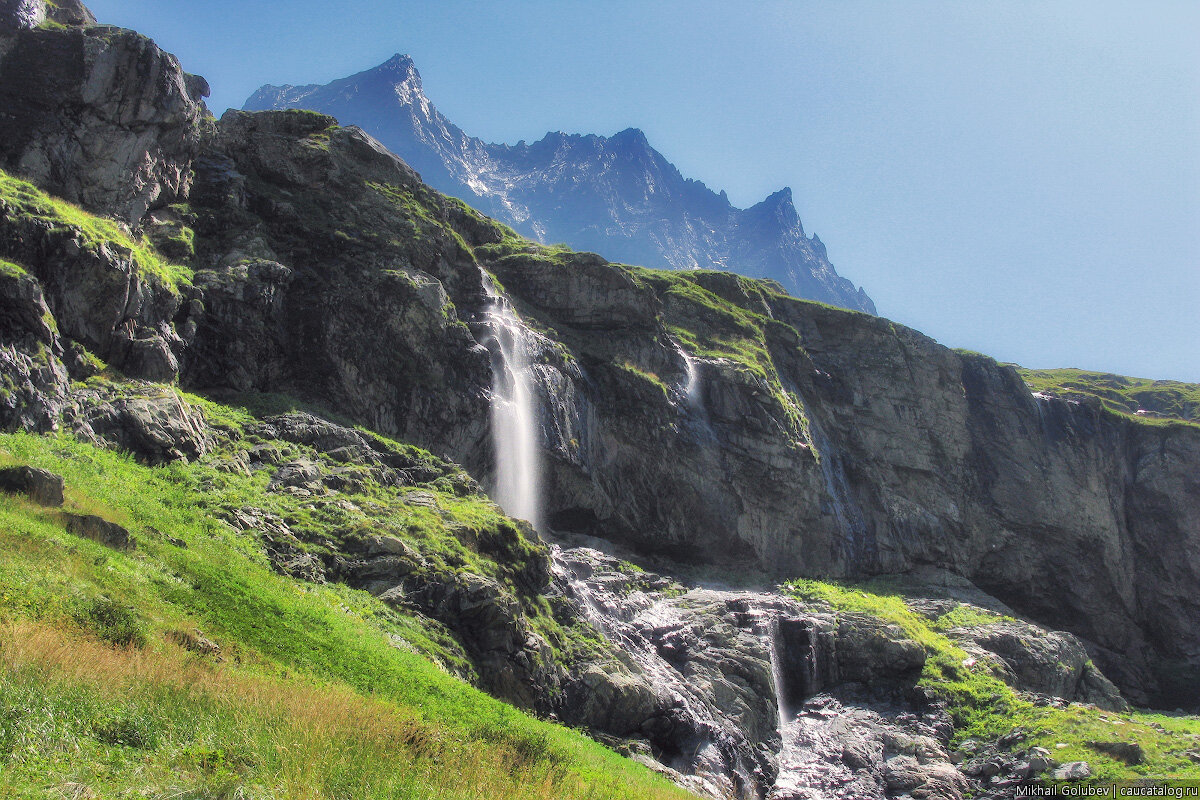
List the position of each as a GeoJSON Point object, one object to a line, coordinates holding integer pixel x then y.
{"type": "Point", "coordinates": [515, 434]}
{"type": "Point", "coordinates": [692, 388]}
{"type": "Point", "coordinates": [777, 671]}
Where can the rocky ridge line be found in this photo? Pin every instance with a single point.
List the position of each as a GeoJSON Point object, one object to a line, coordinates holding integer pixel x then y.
{"type": "Point", "coordinates": [613, 195]}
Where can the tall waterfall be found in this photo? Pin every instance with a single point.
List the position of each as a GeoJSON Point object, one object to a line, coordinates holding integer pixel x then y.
{"type": "Point", "coordinates": [514, 412]}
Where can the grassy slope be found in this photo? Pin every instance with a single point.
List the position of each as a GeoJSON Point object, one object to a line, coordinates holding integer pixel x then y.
{"type": "Point", "coordinates": [1165, 400]}
{"type": "Point", "coordinates": [984, 707]}
{"type": "Point", "coordinates": [23, 199]}
{"type": "Point", "coordinates": [312, 699]}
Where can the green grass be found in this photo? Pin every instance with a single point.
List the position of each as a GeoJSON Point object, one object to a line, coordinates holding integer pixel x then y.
{"type": "Point", "coordinates": [11, 270]}
{"type": "Point", "coordinates": [984, 707]}
{"type": "Point", "coordinates": [26, 200]}
{"type": "Point", "coordinates": [1164, 400]}
{"type": "Point", "coordinates": [313, 698]}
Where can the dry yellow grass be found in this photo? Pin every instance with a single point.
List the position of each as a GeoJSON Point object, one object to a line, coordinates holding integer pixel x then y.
{"type": "Point", "coordinates": [308, 727]}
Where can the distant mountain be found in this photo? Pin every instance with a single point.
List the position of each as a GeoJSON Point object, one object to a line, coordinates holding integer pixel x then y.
{"type": "Point", "coordinates": [616, 195]}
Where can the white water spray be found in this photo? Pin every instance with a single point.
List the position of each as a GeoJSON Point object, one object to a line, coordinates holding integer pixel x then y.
{"type": "Point", "coordinates": [515, 435]}
{"type": "Point", "coordinates": [771, 636]}
{"type": "Point", "coordinates": [691, 390]}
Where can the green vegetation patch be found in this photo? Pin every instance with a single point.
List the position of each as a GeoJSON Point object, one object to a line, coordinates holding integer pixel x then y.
{"type": "Point", "coordinates": [984, 707]}
{"type": "Point", "coordinates": [23, 199]}
{"type": "Point", "coordinates": [318, 691]}
{"type": "Point", "coordinates": [1155, 400]}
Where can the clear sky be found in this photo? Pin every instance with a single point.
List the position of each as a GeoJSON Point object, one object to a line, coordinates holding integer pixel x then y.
{"type": "Point", "coordinates": [1018, 178]}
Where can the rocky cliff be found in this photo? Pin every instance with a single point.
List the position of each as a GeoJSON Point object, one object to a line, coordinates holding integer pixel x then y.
{"type": "Point", "coordinates": [613, 195]}
{"type": "Point", "coordinates": [704, 422]}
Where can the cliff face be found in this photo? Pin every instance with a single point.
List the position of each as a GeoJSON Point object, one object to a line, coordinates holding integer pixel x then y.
{"type": "Point", "coordinates": [613, 195]}
{"type": "Point", "coordinates": [97, 115]}
{"type": "Point", "coordinates": [699, 416]}
{"type": "Point", "coordinates": [849, 445]}
{"type": "Point", "coordinates": [812, 441]}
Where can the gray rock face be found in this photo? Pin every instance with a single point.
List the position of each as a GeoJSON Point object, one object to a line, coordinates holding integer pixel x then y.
{"type": "Point", "coordinates": [96, 292]}
{"type": "Point", "coordinates": [158, 427]}
{"type": "Point", "coordinates": [108, 120]}
{"type": "Point", "coordinates": [840, 747]}
{"type": "Point", "coordinates": [617, 195]}
{"type": "Point", "coordinates": [36, 382]}
{"type": "Point", "coordinates": [18, 15]}
{"type": "Point", "coordinates": [883, 452]}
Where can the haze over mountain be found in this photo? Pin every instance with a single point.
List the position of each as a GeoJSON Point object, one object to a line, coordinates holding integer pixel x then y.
{"type": "Point", "coordinates": [615, 195]}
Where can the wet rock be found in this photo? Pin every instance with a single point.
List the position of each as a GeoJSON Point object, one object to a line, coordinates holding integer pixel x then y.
{"type": "Point", "coordinates": [41, 486]}
{"type": "Point", "coordinates": [903, 774]}
{"type": "Point", "coordinates": [849, 751]}
{"type": "Point", "coordinates": [1072, 771]}
{"type": "Point", "coordinates": [862, 753]}
{"type": "Point", "coordinates": [98, 529]}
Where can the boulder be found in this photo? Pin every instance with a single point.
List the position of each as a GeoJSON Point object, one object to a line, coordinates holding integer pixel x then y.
{"type": "Point", "coordinates": [870, 650]}
{"type": "Point", "coordinates": [158, 428]}
{"type": "Point", "coordinates": [195, 641]}
{"type": "Point", "coordinates": [98, 529]}
{"type": "Point", "coordinates": [1128, 752]}
{"type": "Point", "coordinates": [42, 486]}
{"type": "Point", "coordinates": [1072, 771]}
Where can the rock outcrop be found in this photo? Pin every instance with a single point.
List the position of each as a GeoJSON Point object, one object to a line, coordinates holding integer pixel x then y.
{"type": "Point", "coordinates": [106, 119]}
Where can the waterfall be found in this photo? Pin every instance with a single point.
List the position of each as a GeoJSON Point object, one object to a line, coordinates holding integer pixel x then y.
{"type": "Point", "coordinates": [771, 638]}
{"type": "Point", "coordinates": [692, 388]}
{"type": "Point", "coordinates": [515, 434]}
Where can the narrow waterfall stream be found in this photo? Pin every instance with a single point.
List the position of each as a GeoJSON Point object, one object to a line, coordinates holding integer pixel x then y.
{"type": "Point", "coordinates": [777, 672]}
{"type": "Point", "coordinates": [514, 412]}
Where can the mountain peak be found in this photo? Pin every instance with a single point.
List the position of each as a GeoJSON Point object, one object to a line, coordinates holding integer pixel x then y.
{"type": "Point", "coordinates": [632, 136]}
{"type": "Point", "coordinates": [781, 198]}
{"type": "Point", "coordinates": [400, 69]}
{"type": "Point", "coordinates": [612, 194]}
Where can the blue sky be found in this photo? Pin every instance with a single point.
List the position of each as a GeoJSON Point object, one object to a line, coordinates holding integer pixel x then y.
{"type": "Point", "coordinates": [1017, 178]}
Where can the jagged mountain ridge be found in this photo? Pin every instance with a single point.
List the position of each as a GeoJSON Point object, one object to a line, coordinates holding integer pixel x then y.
{"type": "Point", "coordinates": [615, 195]}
